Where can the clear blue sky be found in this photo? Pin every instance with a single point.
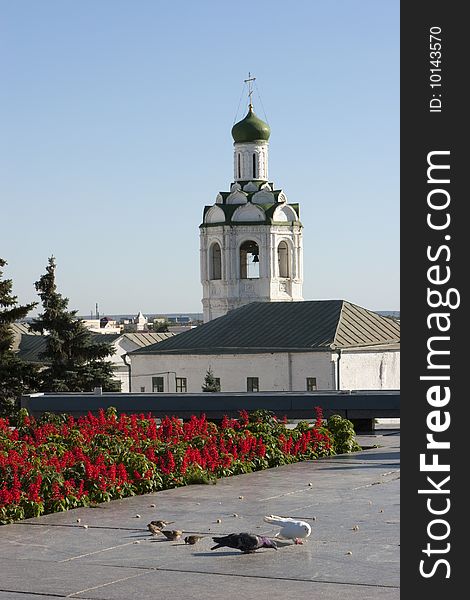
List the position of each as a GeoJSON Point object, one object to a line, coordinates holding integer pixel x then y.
{"type": "Point", "coordinates": [115, 132]}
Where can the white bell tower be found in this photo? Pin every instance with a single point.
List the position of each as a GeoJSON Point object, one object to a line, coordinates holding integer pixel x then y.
{"type": "Point", "coordinates": [251, 238]}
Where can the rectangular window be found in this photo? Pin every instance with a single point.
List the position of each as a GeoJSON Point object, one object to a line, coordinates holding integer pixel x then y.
{"type": "Point", "coordinates": [157, 384]}
{"type": "Point", "coordinates": [311, 384]}
{"type": "Point", "coordinates": [216, 262]}
{"type": "Point", "coordinates": [217, 382]}
{"type": "Point", "coordinates": [181, 384]}
{"type": "Point", "coordinates": [252, 384]}
{"type": "Point", "coordinates": [142, 389]}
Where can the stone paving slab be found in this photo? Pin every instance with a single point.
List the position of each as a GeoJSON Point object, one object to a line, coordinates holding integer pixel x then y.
{"type": "Point", "coordinates": [351, 501]}
{"type": "Point", "coordinates": [163, 584]}
{"type": "Point", "coordinates": [60, 579]}
{"type": "Point", "coordinates": [35, 542]}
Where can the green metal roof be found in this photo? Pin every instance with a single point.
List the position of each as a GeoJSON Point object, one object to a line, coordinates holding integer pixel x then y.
{"type": "Point", "coordinates": [147, 338]}
{"type": "Point", "coordinates": [250, 129]}
{"type": "Point", "coordinates": [26, 342]}
{"type": "Point", "coordinates": [21, 329]}
{"type": "Point", "coordinates": [285, 327]}
{"type": "Point", "coordinates": [30, 346]}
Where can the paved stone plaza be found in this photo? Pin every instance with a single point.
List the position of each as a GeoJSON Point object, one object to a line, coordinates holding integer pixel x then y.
{"type": "Point", "coordinates": [351, 501]}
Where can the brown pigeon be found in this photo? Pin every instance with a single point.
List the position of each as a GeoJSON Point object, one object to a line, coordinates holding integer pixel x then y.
{"type": "Point", "coordinates": [154, 530]}
{"type": "Point", "coordinates": [192, 539]}
{"type": "Point", "coordinates": [173, 534]}
{"type": "Point", "coordinates": [161, 524]}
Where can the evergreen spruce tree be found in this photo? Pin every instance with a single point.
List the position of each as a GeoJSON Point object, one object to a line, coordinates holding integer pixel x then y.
{"type": "Point", "coordinates": [210, 382]}
{"type": "Point", "coordinates": [75, 362]}
{"type": "Point", "coordinates": [16, 376]}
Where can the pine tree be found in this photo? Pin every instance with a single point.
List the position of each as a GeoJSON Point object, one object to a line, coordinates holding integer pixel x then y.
{"type": "Point", "coordinates": [210, 382]}
{"type": "Point", "coordinates": [74, 361]}
{"type": "Point", "coordinates": [16, 376]}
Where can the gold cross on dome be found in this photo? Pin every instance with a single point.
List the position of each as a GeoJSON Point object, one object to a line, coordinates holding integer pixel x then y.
{"type": "Point", "coordinates": [250, 87]}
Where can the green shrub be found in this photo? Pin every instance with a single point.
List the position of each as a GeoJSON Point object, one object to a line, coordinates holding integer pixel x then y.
{"type": "Point", "coordinates": [343, 434]}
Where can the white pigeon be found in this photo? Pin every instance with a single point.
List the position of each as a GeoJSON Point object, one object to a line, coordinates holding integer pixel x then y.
{"type": "Point", "coordinates": [291, 529]}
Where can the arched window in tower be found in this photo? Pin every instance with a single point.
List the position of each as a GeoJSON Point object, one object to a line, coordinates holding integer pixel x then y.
{"type": "Point", "coordinates": [254, 166]}
{"type": "Point", "coordinates": [283, 259]}
{"type": "Point", "coordinates": [239, 166]}
{"type": "Point", "coordinates": [249, 260]}
{"type": "Point", "coordinates": [215, 265]}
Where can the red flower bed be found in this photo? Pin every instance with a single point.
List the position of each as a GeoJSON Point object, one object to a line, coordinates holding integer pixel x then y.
{"type": "Point", "coordinates": [61, 462]}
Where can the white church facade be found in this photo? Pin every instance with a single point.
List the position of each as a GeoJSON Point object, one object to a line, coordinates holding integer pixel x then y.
{"type": "Point", "coordinates": [258, 332]}
{"type": "Point", "coordinates": [251, 238]}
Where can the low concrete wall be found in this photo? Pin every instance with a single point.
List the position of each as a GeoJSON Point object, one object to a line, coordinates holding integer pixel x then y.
{"type": "Point", "coordinates": [355, 405]}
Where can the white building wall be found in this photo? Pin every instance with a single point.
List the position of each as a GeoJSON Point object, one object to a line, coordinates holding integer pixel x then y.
{"type": "Point", "coordinates": [94, 325]}
{"type": "Point", "coordinates": [276, 371]}
{"type": "Point", "coordinates": [122, 345]}
{"type": "Point", "coordinates": [312, 364]}
{"type": "Point", "coordinates": [279, 371]}
{"type": "Point", "coordinates": [362, 370]}
{"type": "Point", "coordinates": [122, 375]}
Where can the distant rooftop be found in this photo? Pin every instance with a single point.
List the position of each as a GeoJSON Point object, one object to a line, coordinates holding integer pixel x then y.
{"type": "Point", "coordinates": [30, 345]}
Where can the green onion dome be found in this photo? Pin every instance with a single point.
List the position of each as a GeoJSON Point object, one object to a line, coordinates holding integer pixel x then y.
{"type": "Point", "coordinates": [250, 129]}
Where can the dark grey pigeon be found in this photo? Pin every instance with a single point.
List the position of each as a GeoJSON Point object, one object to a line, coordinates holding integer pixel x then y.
{"type": "Point", "coordinates": [245, 542]}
